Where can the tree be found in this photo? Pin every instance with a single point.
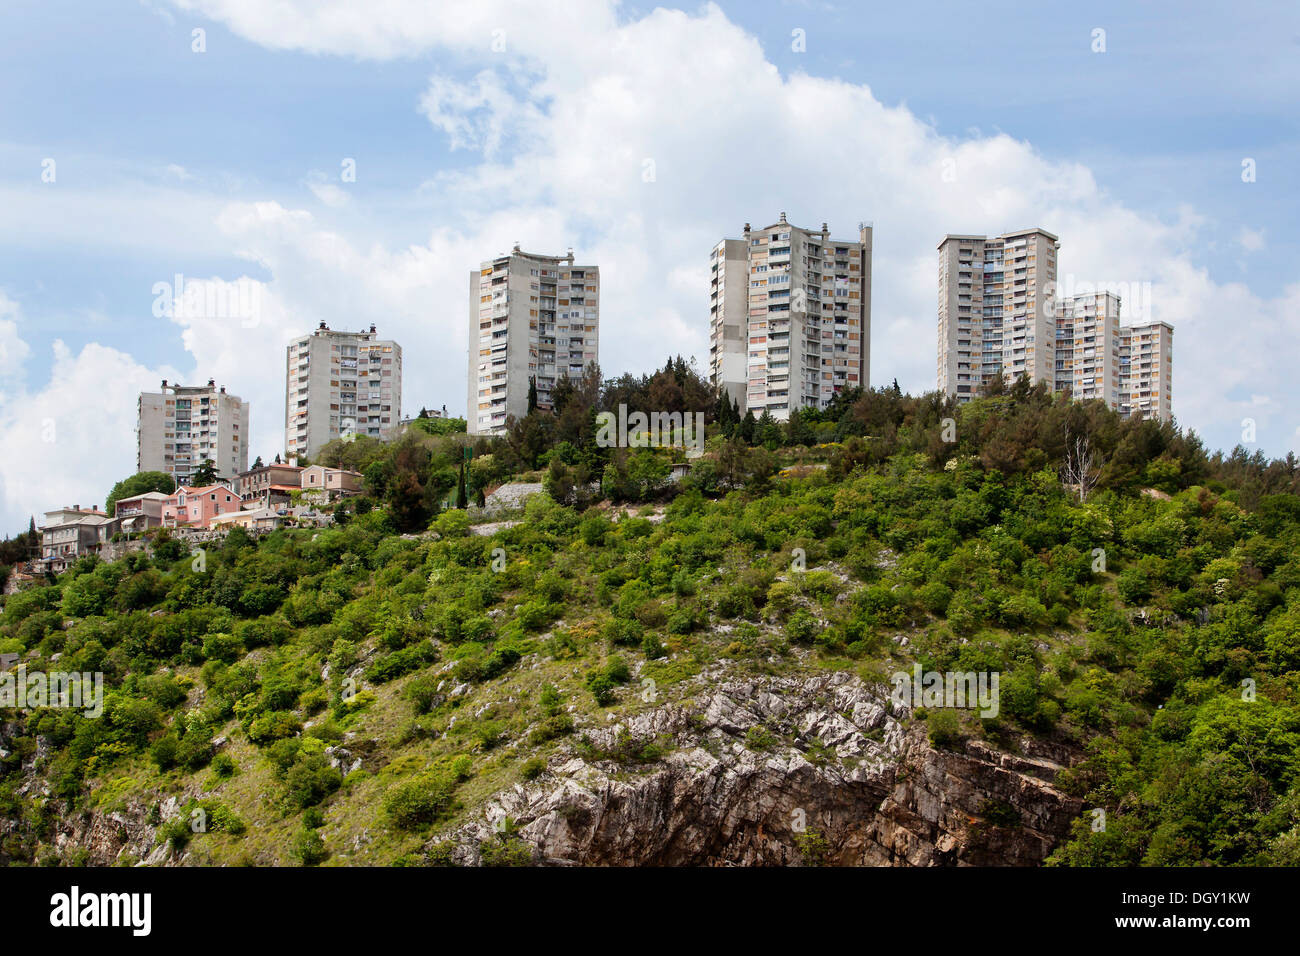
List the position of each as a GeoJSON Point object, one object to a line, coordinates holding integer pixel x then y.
{"type": "Point", "coordinates": [440, 426]}
{"type": "Point", "coordinates": [258, 463]}
{"type": "Point", "coordinates": [462, 494]}
{"type": "Point", "coordinates": [19, 549]}
{"type": "Point", "coordinates": [748, 426]}
{"type": "Point", "coordinates": [139, 484]}
{"type": "Point", "coordinates": [205, 474]}
{"type": "Point", "coordinates": [1082, 466]}
{"type": "Point", "coordinates": [277, 459]}
{"type": "Point", "coordinates": [767, 432]}
{"type": "Point", "coordinates": [532, 393]}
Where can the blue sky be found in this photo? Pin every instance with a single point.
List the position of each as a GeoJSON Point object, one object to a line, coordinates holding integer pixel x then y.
{"type": "Point", "coordinates": [490, 123]}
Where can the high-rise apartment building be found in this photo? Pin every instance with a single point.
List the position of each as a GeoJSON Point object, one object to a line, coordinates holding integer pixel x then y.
{"type": "Point", "coordinates": [181, 426]}
{"type": "Point", "coordinates": [996, 310]}
{"type": "Point", "coordinates": [531, 318]}
{"type": "Point", "coordinates": [729, 317]}
{"type": "Point", "coordinates": [1146, 370]}
{"type": "Point", "coordinates": [1087, 347]}
{"type": "Point", "coordinates": [790, 316]}
{"type": "Point", "coordinates": [340, 384]}
{"type": "Point", "coordinates": [999, 315]}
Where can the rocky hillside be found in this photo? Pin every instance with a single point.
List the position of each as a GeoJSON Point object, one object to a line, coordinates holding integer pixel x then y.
{"type": "Point", "coordinates": [782, 771]}
{"type": "Point", "coordinates": [705, 682]}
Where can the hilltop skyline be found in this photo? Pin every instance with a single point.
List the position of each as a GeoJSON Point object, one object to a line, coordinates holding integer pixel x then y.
{"type": "Point", "coordinates": [465, 139]}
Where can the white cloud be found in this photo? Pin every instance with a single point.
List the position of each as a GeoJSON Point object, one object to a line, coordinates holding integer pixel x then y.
{"type": "Point", "coordinates": [1252, 240]}
{"type": "Point", "coordinates": [329, 193]}
{"type": "Point", "coordinates": [640, 142]}
{"type": "Point", "coordinates": [383, 29]}
{"type": "Point", "coordinates": [568, 128]}
{"type": "Point", "coordinates": [69, 441]}
{"type": "Point", "coordinates": [13, 350]}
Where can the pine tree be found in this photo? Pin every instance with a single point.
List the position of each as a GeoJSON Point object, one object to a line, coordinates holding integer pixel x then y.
{"type": "Point", "coordinates": [205, 474]}
{"type": "Point", "coordinates": [532, 394]}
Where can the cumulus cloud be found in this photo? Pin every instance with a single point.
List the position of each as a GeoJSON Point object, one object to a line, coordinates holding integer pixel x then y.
{"type": "Point", "coordinates": [640, 140]}
{"type": "Point", "coordinates": [13, 350]}
{"type": "Point", "coordinates": [68, 441]}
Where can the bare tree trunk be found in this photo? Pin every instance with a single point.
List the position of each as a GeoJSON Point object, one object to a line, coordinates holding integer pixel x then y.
{"type": "Point", "coordinates": [1081, 469]}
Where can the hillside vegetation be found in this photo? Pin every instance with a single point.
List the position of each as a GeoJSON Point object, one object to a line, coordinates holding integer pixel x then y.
{"type": "Point", "coordinates": [349, 695]}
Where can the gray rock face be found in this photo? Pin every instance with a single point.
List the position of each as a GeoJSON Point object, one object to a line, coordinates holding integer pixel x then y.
{"type": "Point", "coordinates": [511, 496]}
{"type": "Point", "coordinates": [781, 772]}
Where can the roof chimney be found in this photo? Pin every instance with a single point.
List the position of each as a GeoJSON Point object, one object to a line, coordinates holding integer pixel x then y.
{"type": "Point", "coordinates": [164, 383]}
{"type": "Point", "coordinates": [223, 390]}
{"type": "Point", "coordinates": [372, 328]}
{"type": "Point", "coordinates": [783, 217]}
{"type": "Point", "coordinates": [211, 382]}
{"type": "Point", "coordinates": [323, 326]}
{"type": "Point", "coordinates": [824, 229]}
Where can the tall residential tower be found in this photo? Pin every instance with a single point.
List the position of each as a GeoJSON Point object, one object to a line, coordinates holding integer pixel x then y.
{"type": "Point", "coordinates": [340, 384]}
{"type": "Point", "coordinates": [790, 316]}
{"type": "Point", "coordinates": [999, 315]}
{"type": "Point", "coordinates": [996, 310]}
{"type": "Point", "coordinates": [181, 426]}
{"type": "Point", "coordinates": [531, 317]}
{"type": "Point", "coordinates": [1146, 370]}
{"type": "Point", "coordinates": [1087, 347]}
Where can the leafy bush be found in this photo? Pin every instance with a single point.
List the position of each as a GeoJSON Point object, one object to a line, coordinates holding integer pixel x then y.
{"type": "Point", "coordinates": [418, 802]}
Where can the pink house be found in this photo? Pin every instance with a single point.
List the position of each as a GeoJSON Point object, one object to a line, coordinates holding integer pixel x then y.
{"type": "Point", "coordinates": [196, 507]}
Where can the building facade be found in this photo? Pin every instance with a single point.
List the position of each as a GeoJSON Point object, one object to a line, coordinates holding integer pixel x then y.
{"type": "Point", "coordinates": [997, 310]}
{"type": "Point", "coordinates": [268, 481]}
{"type": "Point", "coordinates": [196, 507]}
{"type": "Point", "coordinates": [339, 384]}
{"type": "Point", "coordinates": [729, 317]}
{"type": "Point", "coordinates": [181, 426]}
{"type": "Point", "coordinates": [790, 316]}
{"type": "Point", "coordinates": [1087, 348]}
{"type": "Point", "coordinates": [999, 316]}
{"type": "Point", "coordinates": [1146, 370]}
{"type": "Point", "coordinates": [531, 318]}
{"type": "Point", "coordinates": [71, 533]}
{"type": "Point", "coordinates": [330, 483]}
{"type": "Point", "coordinates": [140, 512]}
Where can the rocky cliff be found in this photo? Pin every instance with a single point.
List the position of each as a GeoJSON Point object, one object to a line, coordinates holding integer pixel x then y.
{"type": "Point", "coordinates": [773, 771]}
{"type": "Point", "coordinates": [781, 771]}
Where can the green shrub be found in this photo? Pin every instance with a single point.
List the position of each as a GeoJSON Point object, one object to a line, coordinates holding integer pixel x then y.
{"type": "Point", "coordinates": [223, 765]}
{"type": "Point", "coordinates": [943, 727]}
{"type": "Point", "coordinates": [398, 663]}
{"type": "Point", "coordinates": [602, 688]}
{"type": "Point", "coordinates": [309, 848]}
{"type": "Point", "coordinates": [418, 802]}
{"type": "Point", "coordinates": [311, 780]}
